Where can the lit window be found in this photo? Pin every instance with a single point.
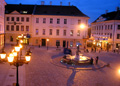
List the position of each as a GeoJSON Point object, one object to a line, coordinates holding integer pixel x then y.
{"type": "Point", "coordinates": [71, 32]}
{"type": "Point", "coordinates": [36, 31]}
{"type": "Point", "coordinates": [78, 33]}
{"type": "Point", "coordinates": [25, 12]}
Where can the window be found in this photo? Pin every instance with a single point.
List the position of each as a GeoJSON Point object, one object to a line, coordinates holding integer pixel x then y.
{"type": "Point", "coordinates": [57, 42]}
{"type": "Point", "coordinates": [64, 32]}
{"type": "Point", "coordinates": [57, 32]}
{"type": "Point", "coordinates": [22, 28]}
{"type": "Point", "coordinates": [27, 19]}
{"type": "Point", "coordinates": [79, 21]}
{"type": "Point", "coordinates": [71, 43]}
{"type": "Point", "coordinates": [78, 33]}
{"type": "Point", "coordinates": [58, 21]}
{"type": "Point", "coordinates": [111, 26]}
{"type": "Point", "coordinates": [44, 20]}
{"type": "Point", "coordinates": [12, 28]}
{"type": "Point", "coordinates": [50, 32]}
{"type": "Point", "coordinates": [17, 28]}
{"type": "Point", "coordinates": [11, 38]}
{"type": "Point", "coordinates": [71, 32]}
{"type": "Point", "coordinates": [17, 19]}
{"type": "Point", "coordinates": [43, 31]}
{"type": "Point", "coordinates": [37, 20]}
{"type": "Point", "coordinates": [51, 20]}
{"type": "Point", "coordinates": [65, 21]}
{"type": "Point", "coordinates": [8, 18]}
{"type": "Point", "coordinates": [110, 35]}
{"type": "Point", "coordinates": [36, 31]}
{"type": "Point", "coordinates": [22, 19]}
{"type": "Point", "coordinates": [27, 28]}
{"type": "Point", "coordinates": [36, 41]}
{"type": "Point", "coordinates": [118, 27]}
{"type": "Point", "coordinates": [118, 36]}
{"type": "Point", "coordinates": [12, 19]}
{"type": "Point", "coordinates": [7, 27]}
{"type": "Point", "coordinates": [105, 26]}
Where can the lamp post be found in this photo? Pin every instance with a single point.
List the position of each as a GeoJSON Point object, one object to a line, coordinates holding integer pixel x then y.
{"type": "Point", "coordinates": [47, 43]}
{"type": "Point", "coordinates": [14, 58]}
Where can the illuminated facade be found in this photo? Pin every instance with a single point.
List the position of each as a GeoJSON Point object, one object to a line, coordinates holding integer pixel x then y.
{"type": "Point", "coordinates": [106, 30]}
{"type": "Point", "coordinates": [47, 22]}
{"type": "Point", "coordinates": [2, 9]}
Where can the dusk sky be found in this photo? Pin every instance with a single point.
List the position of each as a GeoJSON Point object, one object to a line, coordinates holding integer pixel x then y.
{"type": "Point", "coordinates": [92, 8]}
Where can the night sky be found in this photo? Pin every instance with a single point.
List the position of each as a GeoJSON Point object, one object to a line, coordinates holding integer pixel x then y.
{"type": "Point", "coordinates": [92, 8]}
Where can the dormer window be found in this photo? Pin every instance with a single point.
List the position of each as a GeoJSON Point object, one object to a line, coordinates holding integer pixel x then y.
{"type": "Point", "coordinates": [25, 12]}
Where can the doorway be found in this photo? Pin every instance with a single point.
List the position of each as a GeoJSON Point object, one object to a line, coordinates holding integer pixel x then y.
{"type": "Point", "coordinates": [64, 43]}
{"type": "Point", "coordinates": [43, 42]}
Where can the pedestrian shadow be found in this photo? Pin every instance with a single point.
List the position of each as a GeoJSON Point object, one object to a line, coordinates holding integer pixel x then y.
{"type": "Point", "coordinates": [58, 55]}
{"type": "Point", "coordinates": [70, 80]}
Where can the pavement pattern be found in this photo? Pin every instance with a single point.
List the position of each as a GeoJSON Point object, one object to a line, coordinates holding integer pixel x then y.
{"type": "Point", "coordinates": [41, 72]}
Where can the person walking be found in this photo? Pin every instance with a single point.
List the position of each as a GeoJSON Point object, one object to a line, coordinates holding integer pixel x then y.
{"type": "Point", "coordinates": [97, 59]}
{"type": "Point", "coordinates": [91, 61]}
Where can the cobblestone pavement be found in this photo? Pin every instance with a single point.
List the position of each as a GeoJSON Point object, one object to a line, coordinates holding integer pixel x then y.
{"type": "Point", "coordinates": [40, 71]}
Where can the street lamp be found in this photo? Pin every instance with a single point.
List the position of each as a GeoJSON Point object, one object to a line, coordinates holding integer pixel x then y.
{"type": "Point", "coordinates": [3, 55]}
{"type": "Point", "coordinates": [47, 43]}
{"type": "Point", "coordinates": [82, 26]}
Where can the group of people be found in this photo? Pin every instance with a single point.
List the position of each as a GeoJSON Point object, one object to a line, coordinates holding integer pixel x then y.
{"type": "Point", "coordinates": [96, 60]}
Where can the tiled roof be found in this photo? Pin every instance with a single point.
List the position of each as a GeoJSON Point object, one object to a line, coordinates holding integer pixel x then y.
{"type": "Point", "coordinates": [115, 15]}
{"type": "Point", "coordinates": [44, 10]}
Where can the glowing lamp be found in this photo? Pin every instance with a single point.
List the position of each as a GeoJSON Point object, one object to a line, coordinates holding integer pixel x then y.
{"type": "Point", "coordinates": [11, 57]}
{"type": "Point", "coordinates": [21, 41]}
{"type": "Point", "coordinates": [15, 53]}
{"type": "Point", "coordinates": [47, 39]}
{"type": "Point", "coordinates": [17, 48]}
{"type": "Point", "coordinates": [3, 54]}
{"type": "Point", "coordinates": [82, 26]}
{"type": "Point", "coordinates": [20, 46]}
{"type": "Point", "coordinates": [27, 57]}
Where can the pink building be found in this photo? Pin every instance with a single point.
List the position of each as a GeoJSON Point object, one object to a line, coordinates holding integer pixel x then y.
{"type": "Point", "coordinates": [59, 24]}
{"type": "Point", "coordinates": [2, 10]}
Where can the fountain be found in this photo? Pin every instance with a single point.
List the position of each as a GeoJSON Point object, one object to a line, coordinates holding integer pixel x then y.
{"type": "Point", "coordinates": [76, 59]}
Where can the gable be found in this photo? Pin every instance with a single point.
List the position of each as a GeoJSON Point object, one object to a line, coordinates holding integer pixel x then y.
{"type": "Point", "coordinates": [15, 12]}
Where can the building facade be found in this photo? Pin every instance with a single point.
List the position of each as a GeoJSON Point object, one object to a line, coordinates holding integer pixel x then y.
{"type": "Point", "coordinates": [47, 22]}
{"type": "Point", "coordinates": [2, 10]}
{"type": "Point", "coordinates": [106, 30]}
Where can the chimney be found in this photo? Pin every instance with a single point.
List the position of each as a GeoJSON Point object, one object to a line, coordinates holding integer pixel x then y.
{"type": "Point", "coordinates": [60, 3]}
{"type": "Point", "coordinates": [42, 2]}
{"type": "Point", "coordinates": [117, 8]}
{"type": "Point", "coordinates": [106, 11]}
{"type": "Point", "coordinates": [50, 2]}
{"type": "Point", "coordinates": [69, 3]}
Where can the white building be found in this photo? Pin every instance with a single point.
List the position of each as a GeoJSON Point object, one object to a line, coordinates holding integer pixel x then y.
{"type": "Point", "coordinates": [2, 10]}
{"type": "Point", "coordinates": [59, 24]}
{"type": "Point", "coordinates": [106, 30]}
